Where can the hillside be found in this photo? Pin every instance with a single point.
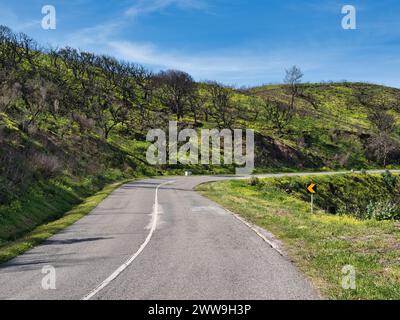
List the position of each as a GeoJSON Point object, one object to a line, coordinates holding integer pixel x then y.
{"type": "Point", "coordinates": [335, 123]}
{"type": "Point", "coordinates": [71, 122]}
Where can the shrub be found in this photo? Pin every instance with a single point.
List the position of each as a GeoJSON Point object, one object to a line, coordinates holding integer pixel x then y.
{"type": "Point", "coordinates": [254, 181]}
{"type": "Point", "coordinates": [50, 166]}
{"type": "Point", "coordinates": [382, 210]}
{"type": "Point", "coordinates": [390, 180]}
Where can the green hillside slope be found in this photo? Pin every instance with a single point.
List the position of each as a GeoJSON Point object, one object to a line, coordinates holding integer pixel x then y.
{"type": "Point", "coordinates": [334, 122]}
{"type": "Point", "coordinates": [72, 121]}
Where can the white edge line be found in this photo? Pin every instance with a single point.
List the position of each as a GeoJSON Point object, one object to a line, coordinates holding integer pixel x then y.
{"type": "Point", "coordinates": [272, 244]}
{"type": "Point", "coordinates": [117, 272]}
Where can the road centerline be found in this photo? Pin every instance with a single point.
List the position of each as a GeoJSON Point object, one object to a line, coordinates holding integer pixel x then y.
{"type": "Point", "coordinates": [117, 272]}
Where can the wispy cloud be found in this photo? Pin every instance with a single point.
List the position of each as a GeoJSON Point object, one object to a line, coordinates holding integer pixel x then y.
{"type": "Point", "coordinates": [96, 35]}
{"type": "Point", "coordinates": [100, 34]}
{"type": "Point", "coordinates": [149, 6]}
{"type": "Point", "coordinates": [238, 66]}
{"type": "Point", "coordinates": [325, 7]}
{"type": "Point", "coordinates": [9, 18]}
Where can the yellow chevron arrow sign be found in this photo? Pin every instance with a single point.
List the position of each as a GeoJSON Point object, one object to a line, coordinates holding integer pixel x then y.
{"type": "Point", "coordinates": [311, 188]}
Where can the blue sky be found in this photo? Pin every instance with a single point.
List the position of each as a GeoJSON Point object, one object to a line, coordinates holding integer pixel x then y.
{"type": "Point", "coordinates": [237, 42]}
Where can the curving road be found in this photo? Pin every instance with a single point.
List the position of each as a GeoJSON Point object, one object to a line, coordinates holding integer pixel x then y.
{"type": "Point", "coordinates": [157, 239]}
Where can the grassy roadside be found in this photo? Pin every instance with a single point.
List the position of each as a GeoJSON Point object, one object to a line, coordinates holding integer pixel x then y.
{"type": "Point", "coordinates": [320, 244]}
{"type": "Point", "coordinates": [12, 249]}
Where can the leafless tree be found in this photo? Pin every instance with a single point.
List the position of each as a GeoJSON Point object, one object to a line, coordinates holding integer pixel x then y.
{"type": "Point", "coordinates": [221, 106]}
{"type": "Point", "coordinates": [197, 106]}
{"type": "Point", "coordinates": [382, 121]}
{"type": "Point", "coordinates": [176, 90]}
{"type": "Point", "coordinates": [293, 80]}
{"type": "Point", "coordinates": [277, 113]}
{"type": "Point", "coordinates": [137, 92]}
{"type": "Point", "coordinates": [106, 105]}
{"type": "Point", "coordinates": [382, 143]}
{"type": "Point", "coordinates": [39, 97]}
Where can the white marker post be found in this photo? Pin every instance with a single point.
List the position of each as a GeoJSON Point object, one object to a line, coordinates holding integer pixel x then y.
{"type": "Point", "coordinates": [312, 203]}
{"type": "Point", "coordinates": [312, 189]}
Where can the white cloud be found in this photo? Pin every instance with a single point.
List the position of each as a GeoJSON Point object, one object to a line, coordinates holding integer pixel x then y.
{"type": "Point", "coordinates": [149, 6]}
{"type": "Point", "coordinates": [233, 66]}
{"type": "Point", "coordinates": [92, 36]}
{"type": "Point", "coordinates": [9, 18]}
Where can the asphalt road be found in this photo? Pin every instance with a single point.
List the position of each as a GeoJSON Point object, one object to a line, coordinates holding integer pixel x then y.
{"type": "Point", "coordinates": [156, 239]}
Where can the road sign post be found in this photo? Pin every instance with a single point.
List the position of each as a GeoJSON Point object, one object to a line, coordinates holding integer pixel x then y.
{"type": "Point", "coordinates": [312, 189]}
{"type": "Point", "coordinates": [312, 203]}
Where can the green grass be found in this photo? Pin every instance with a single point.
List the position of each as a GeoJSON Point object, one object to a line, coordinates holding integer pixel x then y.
{"type": "Point", "coordinates": [321, 244]}
{"type": "Point", "coordinates": [12, 249]}
{"type": "Point", "coordinates": [333, 126]}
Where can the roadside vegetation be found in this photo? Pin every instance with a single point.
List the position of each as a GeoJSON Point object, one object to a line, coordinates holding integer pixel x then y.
{"type": "Point", "coordinates": [364, 232]}
{"type": "Point", "coordinates": [362, 196]}
{"type": "Point", "coordinates": [72, 122]}
{"type": "Point", "coordinates": [12, 248]}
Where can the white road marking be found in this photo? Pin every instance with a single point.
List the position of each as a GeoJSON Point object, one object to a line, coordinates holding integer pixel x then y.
{"type": "Point", "coordinates": [223, 211]}
{"type": "Point", "coordinates": [160, 211]}
{"type": "Point", "coordinates": [117, 272]}
{"type": "Point", "coordinates": [270, 242]}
